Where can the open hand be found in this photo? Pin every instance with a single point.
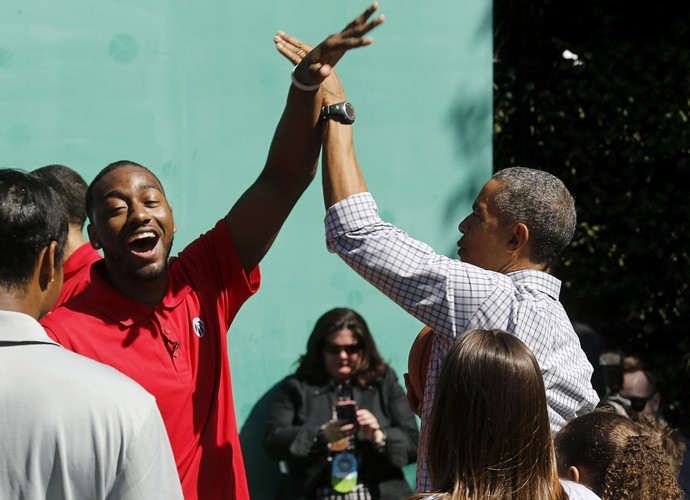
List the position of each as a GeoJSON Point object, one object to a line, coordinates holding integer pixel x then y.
{"type": "Point", "coordinates": [315, 64]}
{"type": "Point", "coordinates": [295, 50]}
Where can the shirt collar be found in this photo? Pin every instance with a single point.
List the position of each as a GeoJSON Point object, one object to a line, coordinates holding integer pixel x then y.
{"type": "Point", "coordinates": [20, 327]}
{"type": "Point", "coordinates": [121, 309]}
{"type": "Point", "coordinates": [82, 256]}
{"type": "Point", "coordinates": [543, 282]}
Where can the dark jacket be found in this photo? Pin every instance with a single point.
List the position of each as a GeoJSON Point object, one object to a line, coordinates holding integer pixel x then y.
{"type": "Point", "coordinates": [292, 435]}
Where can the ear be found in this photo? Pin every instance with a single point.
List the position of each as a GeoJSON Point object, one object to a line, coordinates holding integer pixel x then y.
{"type": "Point", "coordinates": [655, 402]}
{"type": "Point", "coordinates": [47, 268]}
{"type": "Point", "coordinates": [93, 239]}
{"type": "Point", "coordinates": [518, 238]}
{"type": "Point", "coordinates": [574, 473]}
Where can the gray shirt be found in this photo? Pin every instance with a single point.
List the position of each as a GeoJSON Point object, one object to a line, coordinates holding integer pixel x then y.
{"type": "Point", "coordinates": [452, 297]}
{"type": "Point", "coordinates": [73, 428]}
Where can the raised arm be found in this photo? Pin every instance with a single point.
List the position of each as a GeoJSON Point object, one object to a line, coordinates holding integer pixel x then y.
{"type": "Point", "coordinates": [342, 176]}
{"type": "Point", "coordinates": [255, 219]}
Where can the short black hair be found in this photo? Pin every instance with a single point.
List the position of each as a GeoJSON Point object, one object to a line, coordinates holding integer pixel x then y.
{"type": "Point", "coordinates": [70, 186]}
{"type": "Point", "coordinates": [107, 169]}
{"type": "Point", "coordinates": [29, 221]}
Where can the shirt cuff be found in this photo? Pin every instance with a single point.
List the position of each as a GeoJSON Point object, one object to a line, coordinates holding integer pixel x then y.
{"type": "Point", "coordinates": [351, 214]}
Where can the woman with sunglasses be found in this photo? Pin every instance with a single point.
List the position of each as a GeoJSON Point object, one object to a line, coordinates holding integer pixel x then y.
{"type": "Point", "coordinates": [328, 454]}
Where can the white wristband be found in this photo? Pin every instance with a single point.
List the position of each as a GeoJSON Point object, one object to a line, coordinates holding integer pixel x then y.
{"type": "Point", "coordinates": [301, 86]}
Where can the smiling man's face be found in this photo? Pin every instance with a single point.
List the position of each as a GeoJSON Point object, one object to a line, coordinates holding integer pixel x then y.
{"type": "Point", "coordinates": [132, 223]}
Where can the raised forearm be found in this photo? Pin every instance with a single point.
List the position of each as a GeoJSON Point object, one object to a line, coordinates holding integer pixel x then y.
{"type": "Point", "coordinates": [256, 218]}
{"type": "Point", "coordinates": [342, 176]}
{"type": "Point", "coordinates": [294, 151]}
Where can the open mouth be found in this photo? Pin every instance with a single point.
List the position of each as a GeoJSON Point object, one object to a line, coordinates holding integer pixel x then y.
{"type": "Point", "coordinates": [143, 243]}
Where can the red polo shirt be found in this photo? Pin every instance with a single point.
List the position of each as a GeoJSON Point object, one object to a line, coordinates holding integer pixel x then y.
{"type": "Point", "coordinates": [178, 352]}
{"type": "Point", "coordinates": [77, 271]}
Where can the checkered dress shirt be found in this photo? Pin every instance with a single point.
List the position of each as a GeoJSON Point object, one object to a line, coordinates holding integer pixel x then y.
{"type": "Point", "coordinates": [452, 297]}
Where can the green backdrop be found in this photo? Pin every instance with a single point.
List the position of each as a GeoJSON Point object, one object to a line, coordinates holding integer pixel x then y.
{"type": "Point", "coordinates": [194, 90]}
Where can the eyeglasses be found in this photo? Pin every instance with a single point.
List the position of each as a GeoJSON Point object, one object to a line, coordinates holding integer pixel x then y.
{"type": "Point", "coordinates": [337, 349]}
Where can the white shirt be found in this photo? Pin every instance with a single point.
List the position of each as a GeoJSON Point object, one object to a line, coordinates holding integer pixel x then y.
{"type": "Point", "coordinates": [577, 491]}
{"type": "Point", "coordinates": [72, 428]}
{"type": "Point", "coordinates": [452, 297]}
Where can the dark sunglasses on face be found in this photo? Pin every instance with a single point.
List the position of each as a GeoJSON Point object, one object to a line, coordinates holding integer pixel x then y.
{"type": "Point", "coordinates": [631, 403]}
{"type": "Point", "coordinates": [336, 349]}
{"type": "Point", "coordinates": [638, 404]}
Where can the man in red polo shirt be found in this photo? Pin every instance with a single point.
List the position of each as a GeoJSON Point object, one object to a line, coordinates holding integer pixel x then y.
{"type": "Point", "coordinates": [79, 254]}
{"type": "Point", "coordinates": [164, 321]}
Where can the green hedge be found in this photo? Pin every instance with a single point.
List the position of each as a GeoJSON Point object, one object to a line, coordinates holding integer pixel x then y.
{"type": "Point", "coordinates": [612, 121]}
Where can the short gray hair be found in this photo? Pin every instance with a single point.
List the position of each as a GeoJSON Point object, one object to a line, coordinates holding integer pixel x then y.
{"type": "Point", "coordinates": [541, 202]}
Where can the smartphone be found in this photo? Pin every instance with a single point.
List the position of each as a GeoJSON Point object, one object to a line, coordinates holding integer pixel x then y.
{"type": "Point", "coordinates": [347, 410]}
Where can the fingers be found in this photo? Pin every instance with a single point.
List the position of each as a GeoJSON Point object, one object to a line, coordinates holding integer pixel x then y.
{"type": "Point", "coordinates": [359, 27]}
{"type": "Point", "coordinates": [367, 419]}
{"type": "Point", "coordinates": [294, 43]}
{"type": "Point", "coordinates": [315, 64]}
{"type": "Point", "coordinates": [352, 37]}
{"type": "Point", "coordinates": [290, 47]}
{"type": "Point", "coordinates": [347, 430]}
{"type": "Point", "coordinates": [290, 55]}
{"type": "Point", "coordinates": [335, 430]}
{"type": "Point", "coordinates": [334, 47]}
{"type": "Point", "coordinates": [325, 70]}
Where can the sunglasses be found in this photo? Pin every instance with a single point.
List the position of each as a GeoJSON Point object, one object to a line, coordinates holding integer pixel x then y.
{"type": "Point", "coordinates": [638, 404]}
{"type": "Point", "coordinates": [336, 349]}
{"type": "Point", "coordinates": [632, 403]}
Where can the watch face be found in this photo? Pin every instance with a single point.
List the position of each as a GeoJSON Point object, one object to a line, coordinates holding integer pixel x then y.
{"type": "Point", "coordinates": [343, 112]}
{"type": "Point", "coordinates": [349, 111]}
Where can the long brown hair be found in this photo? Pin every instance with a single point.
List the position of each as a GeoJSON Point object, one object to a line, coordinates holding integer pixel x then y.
{"type": "Point", "coordinates": [489, 434]}
{"type": "Point", "coordinates": [311, 365]}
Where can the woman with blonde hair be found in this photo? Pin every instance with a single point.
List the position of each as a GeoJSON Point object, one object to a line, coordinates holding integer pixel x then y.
{"type": "Point", "coordinates": [489, 436]}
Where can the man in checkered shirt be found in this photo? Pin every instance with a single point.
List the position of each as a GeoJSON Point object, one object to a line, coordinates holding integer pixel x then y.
{"type": "Point", "coordinates": [520, 221]}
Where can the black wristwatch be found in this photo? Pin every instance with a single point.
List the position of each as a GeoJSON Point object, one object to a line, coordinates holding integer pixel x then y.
{"type": "Point", "coordinates": [342, 112]}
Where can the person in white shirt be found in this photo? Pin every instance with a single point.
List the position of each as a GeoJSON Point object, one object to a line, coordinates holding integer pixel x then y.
{"type": "Point", "coordinates": [71, 428]}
